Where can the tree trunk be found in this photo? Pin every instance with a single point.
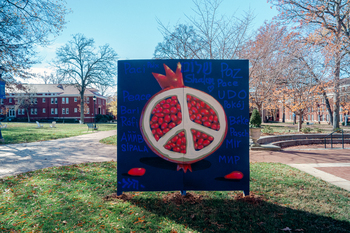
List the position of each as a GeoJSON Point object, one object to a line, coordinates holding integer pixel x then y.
{"type": "Point", "coordinates": [28, 115]}
{"type": "Point", "coordinates": [283, 112]}
{"type": "Point", "coordinates": [300, 121]}
{"type": "Point", "coordinates": [336, 94]}
{"type": "Point", "coordinates": [294, 118]}
{"type": "Point", "coordinates": [82, 107]}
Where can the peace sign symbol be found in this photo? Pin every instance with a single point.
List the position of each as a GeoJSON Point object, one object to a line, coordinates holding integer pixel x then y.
{"type": "Point", "coordinates": [185, 134]}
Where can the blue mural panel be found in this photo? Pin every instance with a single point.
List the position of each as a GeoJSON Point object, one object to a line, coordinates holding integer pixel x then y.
{"type": "Point", "coordinates": [183, 125]}
{"type": "Point", "coordinates": [2, 90]}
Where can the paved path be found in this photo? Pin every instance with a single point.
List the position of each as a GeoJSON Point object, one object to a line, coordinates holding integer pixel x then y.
{"type": "Point", "coordinates": [19, 158]}
{"type": "Point", "coordinates": [331, 165]}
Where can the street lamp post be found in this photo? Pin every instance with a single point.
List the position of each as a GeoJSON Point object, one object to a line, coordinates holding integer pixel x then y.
{"type": "Point", "coordinates": [1, 71]}
{"type": "Point", "coordinates": [94, 98]}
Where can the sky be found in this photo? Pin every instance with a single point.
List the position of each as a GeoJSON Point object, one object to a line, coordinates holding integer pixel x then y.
{"type": "Point", "coordinates": [130, 26]}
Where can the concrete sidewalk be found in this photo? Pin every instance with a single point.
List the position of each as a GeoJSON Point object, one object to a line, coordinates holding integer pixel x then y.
{"type": "Point", "coordinates": [19, 158]}
{"type": "Point", "coordinates": [330, 165]}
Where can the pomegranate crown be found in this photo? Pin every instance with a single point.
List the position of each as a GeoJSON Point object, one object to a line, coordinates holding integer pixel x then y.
{"type": "Point", "coordinates": [170, 79]}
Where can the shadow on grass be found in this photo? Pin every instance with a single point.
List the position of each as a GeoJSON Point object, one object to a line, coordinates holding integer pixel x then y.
{"type": "Point", "coordinates": [220, 214]}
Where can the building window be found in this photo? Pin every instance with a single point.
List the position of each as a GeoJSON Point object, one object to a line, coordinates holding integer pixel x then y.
{"type": "Point", "coordinates": [44, 100]}
{"type": "Point", "coordinates": [10, 100]}
{"type": "Point", "coordinates": [31, 111]}
{"type": "Point", "coordinates": [88, 111]}
{"type": "Point", "coordinates": [55, 110]}
{"type": "Point", "coordinates": [35, 100]}
{"type": "Point", "coordinates": [22, 111]}
{"type": "Point", "coordinates": [44, 111]}
{"type": "Point", "coordinates": [67, 110]}
{"type": "Point", "coordinates": [51, 100]}
{"type": "Point", "coordinates": [75, 110]}
{"type": "Point", "coordinates": [35, 111]}
{"type": "Point", "coordinates": [308, 117]}
{"type": "Point", "coordinates": [55, 100]}
{"type": "Point", "coordinates": [103, 111]}
{"type": "Point", "coordinates": [19, 111]}
{"type": "Point", "coordinates": [63, 111]}
{"type": "Point", "coordinates": [52, 110]}
{"type": "Point", "coordinates": [87, 100]}
{"type": "Point", "coordinates": [67, 100]}
{"type": "Point", "coordinates": [312, 117]}
{"type": "Point", "coordinates": [2, 101]}
{"type": "Point", "coordinates": [75, 99]}
{"type": "Point", "coordinates": [63, 100]}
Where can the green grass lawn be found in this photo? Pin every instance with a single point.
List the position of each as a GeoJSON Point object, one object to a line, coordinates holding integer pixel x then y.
{"type": "Point", "coordinates": [72, 199]}
{"type": "Point", "coordinates": [112, 140]}
{"type": "Point", "coordinates": [27, 132]}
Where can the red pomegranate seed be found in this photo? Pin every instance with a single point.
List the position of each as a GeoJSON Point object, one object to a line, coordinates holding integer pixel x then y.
{"type": "Point", "coordinates": [173, 110]}
{"type": "Point", "coordinates": [173, 103]}
{"type": "Point", "coordinates": [162, 102]}
{"type": "Point", "coordinates": [160, 121]}
{"type": "Point", "coordinates": [210, 119]}
{"type": "Point", "coordinates": [167, 146]}
{"type": "Point", "coordinates": [199, 116]}
{"type": "Point", "coordinates": [154, 126]}
{"type": "Point", "coordinates": [173, 117]}
{"type": "Point", "coordinates": [218, 127]}
{"type": "Point", "coordinates": [157, 106]}
{"type": "Point", "coordinates": [179, 142]}
{"type": "Point", "coordinates": [193, 131]}
{"type": "Point", "coordinates": [190, 112]}
{"type": "Point", "coordinates": [200, 147]}
{"type": "Point", "coordinates": [176, 149]}
{"type": "Point", "coordinates": [179, 115]}
{"type": "Point", "coordinates": [160, 109]}
{"type": "Point", "coordinates": [194, 110]}
{"type": "Point", "coordinates": [167, 118]}
{"type": "Point", "coordinates": [166, 130]}
{"type": "Point", "coordinates": [164, 125]}
{"type": "Point", "coordinates": [200, 141]}
{"type": "Point", "coordinates": [183, 151]}
{"type": "Point", "coordinates": [193, 117]}
{"type": "Point", "coordinates": [194, 98]}
{"type": "Point", "coordinates": [183, 147]}
{"type": "Point", "coordinates": [174, 139]}
{"type": "Point", "coordinates": [178, 107]}
{"type": "Point", "coordinates": [198, 134]}
{"type": "Point", "coordinates": [210, 138]}
{"type": "Point", "coordinates": [189, 105]}
{"type": "Point", "coordinates": [172, 125]}
{"type": "Point", "coordinates": [166, 111]}
{"type": "Point", "coordinates": [156, 137]}
{"type": "Point", "coordinates": [153, 131]}
{"type": "Point", "coordinates": [154, 119]}
{"type": "Point", "coordinates": [206, 142]}
{"type": "Point", "coordinates": [204, 112]}
{"type": "Point", "coordinates": [166, 106]}
{"type": "Point", "coordinates": [194, 138]}
{"type": "Point", "coordinates": [215, 120]}
{"type": "Point", "coordinates": [188, 97]}
{"type": "Point", "coordinates": [204, 119]}
{"type": "Point", "coordinates": [182, 134]}
{"type": "Point", "coordinates": [174, 97]}
{"type": "Point", "coordinates": [154, 111]}
{"type": "Point", "coordinates": [168, 101]}
{"type": "Point", "coordinates": [193, 103]}
{"type": "Point", "coordinates": [195, 146]}
{"type": "Point", "coordinates": [207, 124]}
{"type": "Point", "coordinates": [198, 106]}
{"type": "Point", "coordinates": [179, 122]}
{"type": "Point", "coordinates": [198, 121]}
{"type": "Point", "coordinates": [207, 106]}
{"type": "Point", "coordinates": [214, 126]}
{"type": "Point", "coordinates": [159, 114]}
{"type": "Point", "coordinates": [212, 112]}
{"type": "Point", "coordinates": [159, 131]}
{"type": "Point", "coordinates": [204, 135]}
{"type": "Point", "coordinates": [172, 145]}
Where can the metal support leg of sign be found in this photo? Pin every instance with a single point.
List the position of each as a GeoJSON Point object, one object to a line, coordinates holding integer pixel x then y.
{"type": "Point", "coordinates": [1, 138]}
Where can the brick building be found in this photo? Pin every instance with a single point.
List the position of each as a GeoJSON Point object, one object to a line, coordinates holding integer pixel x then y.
{"type": "Point", "coordinates": [52, 102]}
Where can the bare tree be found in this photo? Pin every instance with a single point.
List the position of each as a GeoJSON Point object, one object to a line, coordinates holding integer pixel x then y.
{"type": "Point", "coordinates": [79, 63]}
{"type": "Point", "coordinates": [25, 98]}
{"type": "Point", "coordinates": [51, 78]}
{"type": "Point", "coordinates": [23, 25]}
{"type": "Point", "coordinates": [206, 35]}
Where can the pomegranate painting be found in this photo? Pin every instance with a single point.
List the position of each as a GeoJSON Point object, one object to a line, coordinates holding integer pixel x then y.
{"type": "Point", "coordinates": [181, 124]}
